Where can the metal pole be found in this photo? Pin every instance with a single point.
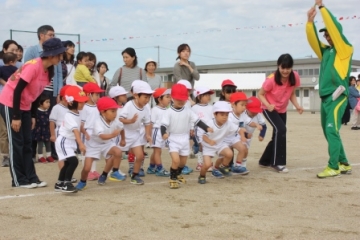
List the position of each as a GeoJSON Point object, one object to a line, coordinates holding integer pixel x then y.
{"type": "Point", "coordinates": [10, 34]}
{"type": "Point", "coordinates": [79, 41]}
{"type": "Point", "coordinates": [158, 62]}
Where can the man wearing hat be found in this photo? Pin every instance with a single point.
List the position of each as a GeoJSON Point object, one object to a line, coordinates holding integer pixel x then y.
{"type": "Point", "coordinates": [333, 86]}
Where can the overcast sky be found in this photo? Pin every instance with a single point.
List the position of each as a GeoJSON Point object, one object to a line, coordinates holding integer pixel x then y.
{"type": "Point", "coordinates": [209, 27]}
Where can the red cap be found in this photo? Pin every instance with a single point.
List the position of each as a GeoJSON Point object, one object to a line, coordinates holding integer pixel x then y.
{"type": "Point", "coordinates": [254, 105]}
{"type": "Point", "coordinates": [92, 88]}
{"type": "Point", "coordinates": [74, 93]}
{"type": "Point", "coordinates": [161, 91]}
{"type": "Point", "coordinates": [238, 96]}
{"type": "Point", "coordinates": [106, 103]}
{"type": "Point", "coordinates": [63, 89]}
{"type": "Point", "coordinates": [179, 92]}
{"type": "Point", "coordinates": [228, 82]}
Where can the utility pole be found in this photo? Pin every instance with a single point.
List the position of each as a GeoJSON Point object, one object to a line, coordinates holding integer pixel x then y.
{"type": "Point", "coordinates": [158, 62]}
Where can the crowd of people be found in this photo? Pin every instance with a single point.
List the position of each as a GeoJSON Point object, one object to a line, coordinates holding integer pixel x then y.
{"type": "Point", "coordinates": [67, 106]}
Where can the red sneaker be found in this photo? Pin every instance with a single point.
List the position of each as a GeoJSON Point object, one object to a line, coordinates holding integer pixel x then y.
{"type": "Point", "coordinates": [42, 160]}
{"type": "Point", "coordinates": [50, 159]}
{"type": "Point", "coordinates": [92, 176]}
{"type": "Point", "coordinates": [97, 174]}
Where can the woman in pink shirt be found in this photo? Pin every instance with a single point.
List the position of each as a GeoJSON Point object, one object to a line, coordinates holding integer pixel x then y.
{"type": "Point", "coordinates": [18, 104]}
{"type": "Point", "coordinates": [275, 94]}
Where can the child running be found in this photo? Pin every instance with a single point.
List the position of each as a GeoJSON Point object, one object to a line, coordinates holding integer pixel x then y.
{"type": "Point", "coordinates": [178, 120]}
{"type": "Point", "coordinates": [69, 135]}
{"type": "Point", "coordinates": [162, 100]}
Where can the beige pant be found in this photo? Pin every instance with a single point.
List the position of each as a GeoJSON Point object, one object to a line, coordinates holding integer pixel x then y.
{"type": "Point", "coordinates": [355, 118]}
{"type": "Point", "coordinates": [4, 141]}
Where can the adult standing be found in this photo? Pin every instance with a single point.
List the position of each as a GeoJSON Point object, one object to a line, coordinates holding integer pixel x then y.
{"type": "Point", "coordinates": [68, 63]}
{"type": "Point", "coordinates": [275, 94]}
{"type": "Point", "coordinates": [334, 71]}
{"type": "Point", "coordinates": [17, 107]}
{"type": "Point", "coordinates": [9, 46]}
{"type": "Point", "coordinates": [102, 68]}
{"type": "Point", "coordinates": [184, 69]}
{"type": "Point", "coordinates": [126, 74]}
{"type": "Point", "coordinates": [353, 100]}
{"type": "Point", "coordinates": [154, 80]}
{"type": "Point", "coordinates": [92, 67]}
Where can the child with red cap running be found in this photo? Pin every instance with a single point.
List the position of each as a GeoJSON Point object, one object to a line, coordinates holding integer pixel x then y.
{"type": "Point", "coordinates": [162, 99]}
{"type": "Point", "coordinates": [102, 143]}
{"type": "Point", "coordinates": [69, 135]}
{"type": "Point", "coordinates": [176, 124]}
{"type": "Point", "coordinates": [88, 117]}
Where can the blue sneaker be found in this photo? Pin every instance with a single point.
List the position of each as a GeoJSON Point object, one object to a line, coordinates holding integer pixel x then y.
{"type": "Point", "coordinates": [225, 171]}
{"type": "Point", "coordinates": [239, 170]}
{"type": "Point", "coordinates": [102, 180]}
{"type": "Point", "coordinates": [81, 186]}
{"type": "Point", "coordinates": [116, 177]}
{"type": "Point", "coordinates": [186, 170]}
{"type": "Point", "coordinates": [137, 180]}
{"type": "Point", "coordinates": [162, 173]}
{"type": "Point", "coordinates": [141, 172]}
{"type": "Point", "coordinates": [151, 170]}
{"type": "Point", "coordinates": [216, 173]}
{"type": "Point", "coordinates": [202, 180]}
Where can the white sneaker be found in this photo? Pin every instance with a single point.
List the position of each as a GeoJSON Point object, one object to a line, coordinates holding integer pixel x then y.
{"type": "Point", "coordinates": [29, 186]}
{"type": "Point", "coordinates": [121, 173]}
{"type": "Point", "coordinates": [41, 184]}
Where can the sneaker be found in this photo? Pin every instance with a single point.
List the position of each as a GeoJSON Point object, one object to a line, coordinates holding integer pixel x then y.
{"type": "Point", "coordinates": [162, 173]}
{"type": "Point", "coordinates": [329, 172]}
{"type": "Point", "coordinates": [225, 171]}
{"type": "Point", "coordinates": [29, 185]}
{"type": "Point", "coordinates": [42, 160]}
{"type": "Point", "coordinates": [186, 170]}
{"type": "Point", "coordinates": [69, 188]}
{"type": "Point", "coordinates": [59, 186]}
{"type": "Point", "coordinates": [239, 170]}
{"type": "Point", "coordinates": [280, 168]}
{"type": "Point", "coordinates": [97, 174]}
{"type": "Point", "coordinates": [195, 149]}
{"type": "Point", "coordinates": [141, 172]}
{"type": "Point", "coordinates": [181, 179]}
{"type": "Point", "coordinates": [202, 180]}
{"type": "Point", "coordinates": [198, 167]}
{"type": "Point", "coordinates": [41, 184]}
{"type": "Point", "coordinates": [136, 180]}
{"type": "Point", "coordinates": [73, 180]}
{"type": "Point", "coordinates": [174, 184]}
{"type": "Point", "coordinates": [50, 159]}
{"type": "Point", "coordinates": [5, 162]}
{"type": "Point", "coordinates": [151, 170]}
{"type": "Point", "coordinates": [345, 169]}
{"type": "Point", "coordinates": [264, 165]}
{"type": "Point", "coordinates": [216, 173]}
{"type": "Point", "coordinates": [116, 177]}
{"type": "Point", "coordinates": [92, 176]}
{"type": "Point", "coordinates": [102, 180]}
{"type": "Point", "coordinates": [121, 173]}
{"type": "Point", "coordinates": [81, 186]}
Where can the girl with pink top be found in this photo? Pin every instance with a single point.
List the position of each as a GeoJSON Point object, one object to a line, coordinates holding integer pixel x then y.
{"type": "Point", "coordinates": [18, 104]}
{"type": "Point", "coordinates": [275, 94]}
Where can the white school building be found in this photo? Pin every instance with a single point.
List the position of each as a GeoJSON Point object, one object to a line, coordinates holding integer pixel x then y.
{"type": "Point", "coordinates": [249, 77]}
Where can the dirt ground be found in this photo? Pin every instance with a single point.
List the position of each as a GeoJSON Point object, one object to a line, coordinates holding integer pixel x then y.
{"type": "Point", "coordinates": [262, 205]}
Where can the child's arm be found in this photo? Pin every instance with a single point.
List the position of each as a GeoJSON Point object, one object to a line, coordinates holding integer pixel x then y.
{"type": "Point", "coordinates": [129, 121]}
{"type": "Point", "coordinates": [79, 142]}
{"type": "Point", "coordinates": [255, 125]}
{"type": "Point", "coordinates": [110, 135]}
{"type": "Point", "coordinates": [83, 131]}
{"type": "Point", "coordinates": [148, 129]}
{"type": "Point", "coordinates": [208, 140]}
{"type": "Point", "coordinates": [262, 132]}
{"type": "Point", "coordinates": [86, 73]}
{"type": "Point", "coordinates": [242, 132]}
{"type": "Point", "coordinates": [204, 127]}
{"type": "Point", "coordinates": [52, 131]}
{"type": "Point", "coordinates": [122, 141]}
{"type": "Point", "coordinates": [2, 81]}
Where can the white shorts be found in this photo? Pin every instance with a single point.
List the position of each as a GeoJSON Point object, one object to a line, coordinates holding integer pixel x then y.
{"type": "Point", "coordinates": [157, 140]}
{"type": "Point", "coordinates": [231, 140]}
{"type": "Point", "coordinates": [132, 139]}
{"type": "Point", "coordinates": [97, 150]}
{"type": "Point", "coordinates": [248, 142]}
{"type": "Point", "coordinates": [65, 148]}
{"type": "Point", "coordinates": [213, 150]}
{"type": "Point", "coordinates": [142, 136]}
{"type": "Point", "coordinates": [179, 143]}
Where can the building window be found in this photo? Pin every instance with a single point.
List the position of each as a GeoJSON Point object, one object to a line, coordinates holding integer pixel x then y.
{"type": "Point", "coordinates": [217, 92]}
{"type": "Point", "coordinates": [297, 93]}
{"type": "Point", "coordinates": [253, 93]}
{"type": "Point", "coordinates": [316, 71]}
{"type": "Point", "coordinates": [311, 72]}
{"type": "Point", "coordinates": [300, 71]}
{"type": "Point", "coordinates": [306, 92]}
{"type": "Point", "coordinates": [306, 72]}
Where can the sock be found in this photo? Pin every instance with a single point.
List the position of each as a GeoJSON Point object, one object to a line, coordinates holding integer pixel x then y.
{"type": "Point", "coordinates": [222, 166]}
{"type": "Point", "coordinates": [131, 159]}
{"type": "Point", "coordinates": [93, 166]}
{"type": "Point", "coordinates": [238, 164]}
{"type": "Point", "coordinates": [133, 175]}
{"type": "Point", "coordinates": [202, 176]}
{"type": "Point", "coordinates": [200, 158]}
{"type": "Point", "coordinates": [180, 170]}
{"type": "Point", "coordinates": [159, 167]}
{"type": "Point", "coordinates": [83, 181]}
{"type": "Point", "coordinates": [115, 169]}
{"type": "Point", "coordinates": [40, 155]}
{"type": "Point", "coordinates": [48, 154]}
{"type": "Point", "coordinates": [104, 174]}
{"type": "Point", "coordinates": [243, 164]}
{"type": "Point", "coordinates": [173, 173]}
{"type": "Point", "coordinates": [152, 165]}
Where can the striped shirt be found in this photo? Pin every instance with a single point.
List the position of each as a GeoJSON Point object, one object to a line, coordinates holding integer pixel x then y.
{"type": "Point", "coordinates": [128, 75]}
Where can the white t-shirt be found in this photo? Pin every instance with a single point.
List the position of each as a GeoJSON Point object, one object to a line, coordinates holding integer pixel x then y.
{"type": "Point", "coordinates": [71, 72]}
{"type": "Point", "coordinates": [220, 132]}
{"type": "Point", "coordinates": [57, 115]}
{"type": "Point", "coordinates": [203, 111]}
{"type": "Point", "coordinates": [128, 112]}
{"type": "Point", "coordinates": [101, 127]}
{"type": "Point", "coordinates": [259, 119]}
{"type": "Point", "coordinates": [179, 121]}
{"type": "Point", "coordinates": [241, 121]}
{"type": "Point", "coordinates": [88, 115]}
{"type": "Point", "coordinates": [71, 122]}
{"type": "Point", "coordinates": [157, 113]}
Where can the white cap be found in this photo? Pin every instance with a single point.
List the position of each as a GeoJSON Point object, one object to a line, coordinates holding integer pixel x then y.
{"type": "Point", "coordinates": [143, 87]}
{"type": "Point", "coordinates": [117, 91]}
{"type": "Point", "coordinates": [201, 90]}
{"type": "Point", "coordinates": [136, 82]}
{"type": "Point", "coordinates": [222, 106]}
{"type": "Point", "coordinates": [186, 83]}
{"type": "Point", "coordinates": [150, 60]}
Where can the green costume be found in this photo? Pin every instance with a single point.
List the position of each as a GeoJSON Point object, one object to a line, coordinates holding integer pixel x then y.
{"type": "Point", "coordinates": [334, 71]}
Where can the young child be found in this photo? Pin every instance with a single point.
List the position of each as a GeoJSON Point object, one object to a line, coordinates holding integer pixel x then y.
{"type": "Point", "coordinates": [228, 87]}
{"type": "Point", "coordinates": [82, 73]}
{"type": "Point", "coordinates": [41, 132]}
{"type": "Point", "coordinates": [88, 117]}
{"type": "Point", "coordinates": [162, 100]}
{"type": "Point", "coordinates": [253, 111]}
{"type": "Point", "coordinates": [133, 115]}
{"type": "Point", "coordinates": [102, 144]}
{"type": "Point", "coordinates": [178, 120]}
{"type": "Point", "coordinates": [213, 143]}
{"type": "Point", "coordinates": [69, 135]}
{"type": "Point", "coordinates": [10, 60]}
{"type": "Point", "coordinates": [203, 110]}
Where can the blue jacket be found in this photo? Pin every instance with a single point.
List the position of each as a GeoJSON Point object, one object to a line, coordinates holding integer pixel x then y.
{"type": "Point", "coordinates": [34, 52]}
{"type": "Point", "coordinates": [353, 96]}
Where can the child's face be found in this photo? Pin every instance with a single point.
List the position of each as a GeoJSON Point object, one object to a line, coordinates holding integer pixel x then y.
{"type": "Point", "coordinates": [94, 97]}
{"type": "Point", "coordinates": [84, 61]}
{"type": "Point", "coordinates": [228, 93]}
{"type": "Point", "coordinates": [80, 106]}
{"type": "Point", "coordinates": [165, 101]}
{"type": "Point", "coordinates": [109, 114]}
{"type": "Point", "coordinates": [143, 99]}
{"type": "Point", "coordinates": [205, 98]}
{"type": "Point", "coordinates": [121, 99]}
{"type": "Point", "coordinates": [64, 102]}
{"type": "Point", "coordinates": [239, 107]}
{"type": "Point", "coordinates": [46, 104]}
{"type": "Point", "coordinates": [179, 103]}
{"type": "Point", "coordinates": [221, 117]}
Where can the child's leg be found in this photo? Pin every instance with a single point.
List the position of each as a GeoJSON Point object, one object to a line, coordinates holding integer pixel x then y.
{"type": "Point", "coordinates": [242, 152]}
{"type": "Point", "coordinates": [200, 158]}
{"type": "Point", "coordinates": [72, 165]}
{"type": "Point", "coordinates": [114, 163]}
{"type": "Point", "coordinates": [93, 167]}
{"type": "Point", "coordinates": [40, 146]}
{"type": "Point", "coordinates": [131, 159]}
{"type": "Point", "coordinates": [205, 166]}
{"type": "Point", "coordinates": [139, 158]}
{"type": "Point", "coordinates": [60, 164]}
{"type": "Point", "coordinates": [175, 161]}
{"type": "Point", "coordinates": [47, 148]}
{"type": "Point", "coordinates": [86, 169]}
{"type": "Point", "coordinates": [182, 164]}
{"type": "Point", "coordinates": [222, 164]}
{"type": "Point", "coordinates": [62, 172]}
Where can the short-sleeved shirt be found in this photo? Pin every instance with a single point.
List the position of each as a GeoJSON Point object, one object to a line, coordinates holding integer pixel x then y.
{"type": "Point", "coordinates": [259, 119]}
{"type": "Point", "coordinates": [102, 127]}
{"type": "Point", "coordinates": [203, 111]}
{"type": "Point", "coordinates": [37, 78]}
{"type": "Point", "coordinates": [179, 121]}
{"type": "Point", "coordinates": [57, 114]}
{"type": "Point", "coordinates": [88, 115]}
{"type": "Point", "coordinates": [7, 71]}
{"type": "Point", "coordinates": [157, 113]}
{"type": "Point", "coordinates": [128, 112]}
{"type": "Point", "coordinates": [220, 132]}
{"type": "Point", "coordinates": [71, 122]}
{"type": "Point", "coordinates": [278, 95]}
